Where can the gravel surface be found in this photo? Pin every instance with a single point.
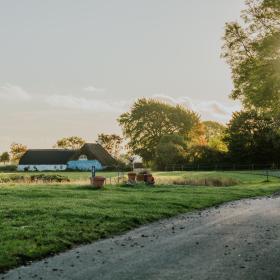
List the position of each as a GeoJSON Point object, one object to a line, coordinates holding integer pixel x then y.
{"type": "Point", "coordinates": [239, 240]}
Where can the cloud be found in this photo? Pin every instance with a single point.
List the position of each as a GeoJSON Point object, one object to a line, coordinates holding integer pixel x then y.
{"type": "Point", "coordinates": [85, 104]}
{"type": "Point", "coordinates": [13, 93]}
{"type": "Point", "coordinates": [209, 110]}
{"type": "Point", "coordinates": [93, 89]}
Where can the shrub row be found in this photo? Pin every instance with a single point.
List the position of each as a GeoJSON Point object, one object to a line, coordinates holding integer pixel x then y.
{"type": "Point", "coordinates": [49, 178]}
{"type": "Point", "coordinates": [12, 178]}
{"type": "Point", "coordinates": [34, 178]}
{"type": "Point", "coordinates": [8, 168]}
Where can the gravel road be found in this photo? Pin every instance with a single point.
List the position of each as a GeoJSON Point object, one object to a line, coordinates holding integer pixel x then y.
{"type": "Point", "coordinates": [239, 240]}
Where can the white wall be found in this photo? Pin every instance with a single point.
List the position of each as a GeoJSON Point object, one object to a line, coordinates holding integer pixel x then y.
{"type": "Point", "coordinates": [57, 167]}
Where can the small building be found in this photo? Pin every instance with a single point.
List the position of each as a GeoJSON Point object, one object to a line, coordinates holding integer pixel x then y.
{"type": "Point", "coordinates": [90, 155]}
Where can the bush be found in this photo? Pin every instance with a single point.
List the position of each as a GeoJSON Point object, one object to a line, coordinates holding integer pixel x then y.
{"type": "Point", "coordinates": [12, 178]}
{"type": "Point", "coordinates": [34, 178]}
{"type": "Point", "coordinates": [8, 168]}
{"type": "Point", "coordinates": [52, 178]}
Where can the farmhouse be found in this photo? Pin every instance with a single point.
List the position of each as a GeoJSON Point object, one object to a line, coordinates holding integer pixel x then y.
{"type": "Point", "coordinates": [58, 159]}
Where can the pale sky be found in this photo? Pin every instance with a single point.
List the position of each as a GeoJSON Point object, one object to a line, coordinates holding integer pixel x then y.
{"type": "Point", "coordinates": [70, 67]}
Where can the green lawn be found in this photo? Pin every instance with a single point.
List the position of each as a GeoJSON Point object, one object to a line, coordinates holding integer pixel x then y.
{"type": "Point", "coordinates": [39, 220]}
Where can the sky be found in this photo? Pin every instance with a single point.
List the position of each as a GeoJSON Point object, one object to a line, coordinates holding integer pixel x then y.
{"type": "Point", "coordinates": [71, 67]}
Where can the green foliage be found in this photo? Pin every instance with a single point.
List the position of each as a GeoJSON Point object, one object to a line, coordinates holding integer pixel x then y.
{"type": "Point", "coordinates": [202, 154]}
{"type": "Point", "coordinates": [172, 149]}
{"type": "Point", "coordinates": [214, 134]}
{"type": "Point", "coordinates": [253, 137]}
{"type": "Point", "coordinates": [8, 168]}
{"type": "Point", "coordinates": [12, 179]}
{"type": "Point", "coordinates": [111, 143]}
{"type": "Point", "coordinates": [70, 143]}
{"type": "Point", "coordinates": [49, 178]}
{"type": "Point", "coordinates": [149, 120]}
{"type": "Point", "coordinates": [253, 53]}
{"type": "Point", "coordinates": [213, 129]}
{"type": "Point", "coordinates": [35, 178]}
{"type": "Point", "coordinates": [5, 157]}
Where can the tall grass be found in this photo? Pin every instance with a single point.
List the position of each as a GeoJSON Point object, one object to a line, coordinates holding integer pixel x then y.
{"type": "Point", "coordinates": [209, 182]}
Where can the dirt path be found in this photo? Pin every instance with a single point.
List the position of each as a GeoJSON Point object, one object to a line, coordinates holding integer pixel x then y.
{"type": "Point", "coordinates": [239, 240]}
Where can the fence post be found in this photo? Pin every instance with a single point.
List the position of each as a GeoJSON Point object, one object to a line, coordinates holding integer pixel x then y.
{"type": "Point", "coordinates": [118, 176]}
{"type": "Point", "coordinates": [93, 171]}
{"type": "Point", "coordinates": [267, 176]}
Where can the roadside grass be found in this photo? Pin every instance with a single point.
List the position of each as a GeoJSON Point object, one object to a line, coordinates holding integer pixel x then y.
{"type": "Point", "coordinates": [41, 220]}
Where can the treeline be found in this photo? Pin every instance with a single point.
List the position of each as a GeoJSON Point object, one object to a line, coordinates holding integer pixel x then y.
{"type": "Point", "coordinates": [165, 135]}
{"type": "Point", "coordinates": [162, 134]}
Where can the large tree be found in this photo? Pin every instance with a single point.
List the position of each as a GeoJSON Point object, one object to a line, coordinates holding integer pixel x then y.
{"type": "Point", "coordinates": [149, 120]}
{"type": "Point", "coordinates": [253, 137]}
{"type": "Point", "coordinates": [111, 142]}
{"type": "Point", "coordinates": [70, 143]}
{"type": "Point", "coordinates": [17, 151]}
{"type": "Point", "coordinates": [252, 49]}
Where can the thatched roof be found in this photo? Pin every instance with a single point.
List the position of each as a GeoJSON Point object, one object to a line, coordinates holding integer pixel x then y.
{"type": "Point", "coordinates": [46, 157]}
{"type": "Point", "coordinates": [59, 156]}
{"type": "Point", "coordinates": [96, 151]}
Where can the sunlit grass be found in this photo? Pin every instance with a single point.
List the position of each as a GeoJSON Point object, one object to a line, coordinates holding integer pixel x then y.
{"type": "Point", "coordinates": [38, 220]}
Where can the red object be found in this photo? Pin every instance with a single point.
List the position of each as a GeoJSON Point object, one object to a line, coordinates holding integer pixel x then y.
{"type": "Point", "coordinates": [140, 177]}
{"type": "Point", "coordinates": [150, 179]}
{"type": "Point", "coordinates": [98, 181]}
{"type": "Point", "coordinates": [131, 176]}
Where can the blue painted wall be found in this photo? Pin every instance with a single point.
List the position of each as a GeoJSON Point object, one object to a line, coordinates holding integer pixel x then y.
{"type": "Point", "coordinates": [85, 165]}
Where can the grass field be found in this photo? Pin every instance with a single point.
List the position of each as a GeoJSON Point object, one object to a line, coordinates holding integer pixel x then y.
{"type": "Point", "coordinates": [38, 220]}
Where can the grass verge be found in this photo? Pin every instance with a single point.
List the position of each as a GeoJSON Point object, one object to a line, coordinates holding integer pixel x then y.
{"type": "Point", "coordinates": [40, 220]}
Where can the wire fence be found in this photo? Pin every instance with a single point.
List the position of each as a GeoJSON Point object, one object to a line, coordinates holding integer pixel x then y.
{"type": "Point", "coordinates": [267, 170]}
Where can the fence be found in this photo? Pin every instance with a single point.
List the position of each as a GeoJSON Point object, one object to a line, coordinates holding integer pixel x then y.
{"type": "Point", "coordinates": [267, 170]}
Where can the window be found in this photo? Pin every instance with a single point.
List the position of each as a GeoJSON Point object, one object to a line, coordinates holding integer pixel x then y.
{"type": "Point", "coordinates": [83, 157]}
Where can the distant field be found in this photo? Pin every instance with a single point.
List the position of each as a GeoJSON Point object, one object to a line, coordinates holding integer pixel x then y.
{"type": "Point", "coordinates": [39, 220]}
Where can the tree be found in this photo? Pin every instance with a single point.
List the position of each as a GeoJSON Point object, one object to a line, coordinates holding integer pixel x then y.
{"type": "Point", "coordinates": [197, 135]}
{"type": "Point", "coordinates": [205, 155]}
{"type": "Point", "coordinates": [172, 149]}
{"type": "Point", "coordinates": [149, 120]}
{"type": "Point", "coordinates": [253, 52]}
{"type": "Point", "coordinates": [214, 135]}
{"type": "Point", "coordinates": [17, 151]}
{"type": "Point", "coordinates": [111, 142]}
{"type": "Point", "coordinates": [5, 157]}
{"type": "Point", "coordinates": [213, 129]}
{"type": "Point", "coordinates": [70, 143]}
{"type": "Point", "coordinates": [253, 137]}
